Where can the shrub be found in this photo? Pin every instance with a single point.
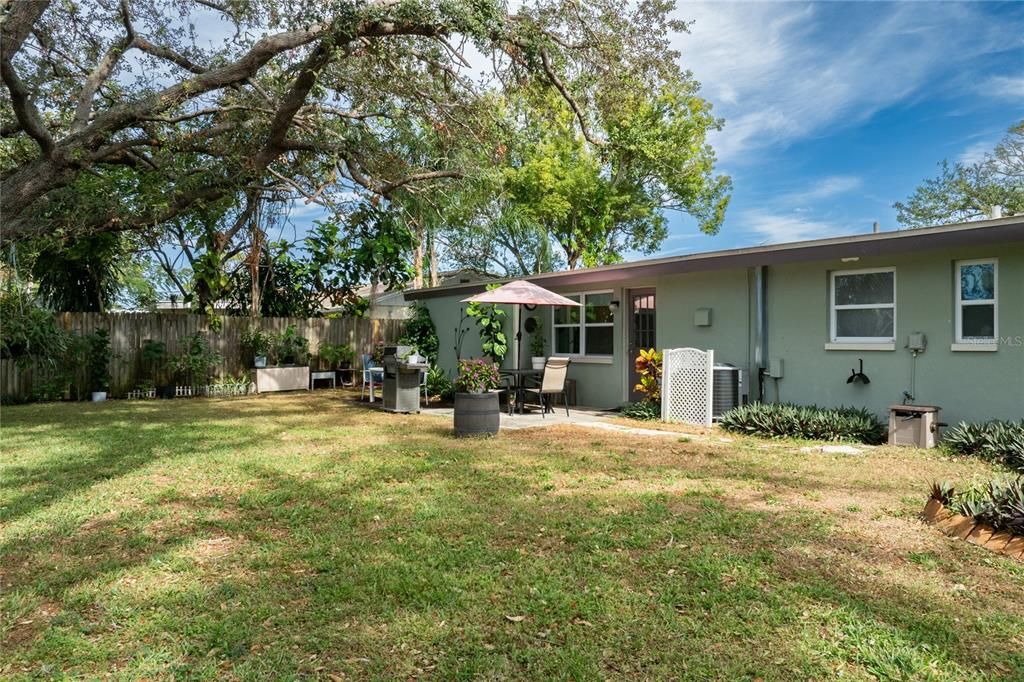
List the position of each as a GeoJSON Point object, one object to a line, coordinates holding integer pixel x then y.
{"type": "Point", "coordinates": [645, 410]}
{"type": "Point", "coordinates": [648, 367]}
{"type": "Point", "coordinates": [538, 344]}
{"type": "Point", "coordinates": [491, 320]}
{"type": "Point", "coordinates": [336, 354]}
{"type": "Point", "coordinates": [256, 341]}
{"type": "Point", "coordinates": [99, 360]}
{"type": "Point", "coordinates": [476, 376]}
{"type": "Point", "coordinates": [420, 333]}
{"type": "Point", "coordinates": [998, 503]}
{"type": "Point", "coordinates": [439, 384]}
{"type": "Point", "coordinates": [289, 348]}
{"type": "Point", "coordinates": [196, 361]}
{"type": "Point", "coordinates": [1001, 441]}
{"type": "Point", "coordinates": [783, 420]}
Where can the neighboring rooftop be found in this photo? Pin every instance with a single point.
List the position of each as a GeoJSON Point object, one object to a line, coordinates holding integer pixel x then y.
{"type": "Point", "coordinates": [1000, 230]}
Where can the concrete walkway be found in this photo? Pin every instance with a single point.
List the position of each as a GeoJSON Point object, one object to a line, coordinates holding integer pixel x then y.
{"type": "Point", "coordinates": [588, 417]}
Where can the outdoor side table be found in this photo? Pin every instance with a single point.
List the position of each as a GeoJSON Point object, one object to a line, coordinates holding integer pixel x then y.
{"type": "Point", "coordinates": [322, 376]}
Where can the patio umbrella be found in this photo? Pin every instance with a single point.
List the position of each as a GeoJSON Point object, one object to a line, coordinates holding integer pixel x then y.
{"type": "Point", "coordinates": [522, 293]}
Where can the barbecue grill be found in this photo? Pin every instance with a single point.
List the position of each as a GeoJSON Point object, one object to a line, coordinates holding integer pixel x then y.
{"type": "Point", "coordinates": [401, 390]}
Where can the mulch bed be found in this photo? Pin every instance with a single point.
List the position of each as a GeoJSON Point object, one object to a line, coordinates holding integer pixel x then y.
{"type": "Point", "coordinates": [967, 528]}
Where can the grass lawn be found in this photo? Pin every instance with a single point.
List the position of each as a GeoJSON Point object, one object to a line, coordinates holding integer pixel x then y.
{"type": "Point", "coordinates": [307, 536]}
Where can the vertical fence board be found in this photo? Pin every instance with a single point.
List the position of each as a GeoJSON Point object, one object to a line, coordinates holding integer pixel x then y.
{"type": "Point", "coordinates": [128, 332]}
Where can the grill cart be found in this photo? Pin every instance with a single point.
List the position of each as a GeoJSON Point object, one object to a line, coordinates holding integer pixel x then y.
{"type": "Point", "coordinates": [401, 390]}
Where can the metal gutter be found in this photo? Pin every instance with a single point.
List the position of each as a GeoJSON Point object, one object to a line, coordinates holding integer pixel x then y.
{"type": "Point", "coordinates": [862, 245]}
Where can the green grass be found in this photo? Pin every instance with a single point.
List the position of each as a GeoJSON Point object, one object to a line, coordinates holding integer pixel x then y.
{"type": "Point", "coordinates": [309, 537]}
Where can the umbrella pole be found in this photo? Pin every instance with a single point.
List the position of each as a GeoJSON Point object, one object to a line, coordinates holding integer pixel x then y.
{"type": "Point", "coordinates": [519, 333]}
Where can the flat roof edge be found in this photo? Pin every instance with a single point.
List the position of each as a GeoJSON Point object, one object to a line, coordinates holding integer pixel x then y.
{"type": "Point", "coordinates": [1006, 230]}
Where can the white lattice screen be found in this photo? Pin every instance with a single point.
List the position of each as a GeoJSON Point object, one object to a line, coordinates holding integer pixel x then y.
{"type": "Point", "coordinates": [686, 383]}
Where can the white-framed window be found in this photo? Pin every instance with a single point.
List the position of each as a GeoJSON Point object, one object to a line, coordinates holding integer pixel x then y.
{"type": "Point", "coordinates": [863, 306]}
{"type": "Point", "coordinates": [977, 300]}
{"type": "Point", "coordinates": [588, 331]}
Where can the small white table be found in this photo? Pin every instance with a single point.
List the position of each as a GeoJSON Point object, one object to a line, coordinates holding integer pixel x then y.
{"type": "Point", "coordinates": [313, 376]}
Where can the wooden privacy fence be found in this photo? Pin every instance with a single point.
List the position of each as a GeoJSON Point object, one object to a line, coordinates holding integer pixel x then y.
{"type": "Point", "coordinates": [128, 331]}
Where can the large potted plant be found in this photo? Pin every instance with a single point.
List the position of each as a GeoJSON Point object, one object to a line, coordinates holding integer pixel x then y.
{"type": "Point", "coordinates": [537, 345]}
{"type": "Point", "coordinates": [476, 402]}
{"type": "Point", "coordinates": [289, 367]}
{"type": "Point", "coordinates": [337, 356]}
{"type": "Point", "coordinates": [99, 364]}
{"type": "Point", "coordinates": [290, 349]}
{"type": "Point", "coordinates": [257, 342]}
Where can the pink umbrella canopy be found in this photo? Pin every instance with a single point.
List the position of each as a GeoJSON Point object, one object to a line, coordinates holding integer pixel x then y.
{"type": "Point", "coordinates": [522, 292]}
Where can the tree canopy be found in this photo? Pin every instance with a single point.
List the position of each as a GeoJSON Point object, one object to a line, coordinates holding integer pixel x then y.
{"type": "Point", "coordinates": [563, 123]}
{"type": "Point", "coordinates": [968, 191]}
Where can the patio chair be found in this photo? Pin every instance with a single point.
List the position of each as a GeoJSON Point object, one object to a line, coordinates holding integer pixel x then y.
{"type": "Point", "coordinates": [552, 383]}
{"type": "Point", "coordinates": [371, 373]}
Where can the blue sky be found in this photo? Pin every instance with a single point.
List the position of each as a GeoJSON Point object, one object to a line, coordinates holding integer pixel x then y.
{"type": "Point", "coordinates": [834, 111]}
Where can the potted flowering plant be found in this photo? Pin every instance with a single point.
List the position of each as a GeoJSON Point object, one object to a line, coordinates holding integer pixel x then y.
{"type": "Point", "coordinates": [476, 402]}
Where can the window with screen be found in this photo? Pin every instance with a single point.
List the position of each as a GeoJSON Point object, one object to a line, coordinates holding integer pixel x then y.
{"type": "Point", "coordinates": [588, 330]}
{"type": "Point", "coordinates": [976, 301]}
{"type": "Point", "coordinates": [863, 306]}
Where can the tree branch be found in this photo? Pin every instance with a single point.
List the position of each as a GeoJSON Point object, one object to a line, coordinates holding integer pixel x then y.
{"type": "Point", "coordinates": [567, 96]}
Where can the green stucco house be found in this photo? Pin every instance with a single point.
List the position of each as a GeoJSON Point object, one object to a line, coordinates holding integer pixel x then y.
{"type": "Point", "coordinates": [797, 318]}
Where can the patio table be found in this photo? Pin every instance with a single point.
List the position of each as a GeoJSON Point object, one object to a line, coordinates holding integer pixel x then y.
{"type": "Point", "coordinates": [519, 377]}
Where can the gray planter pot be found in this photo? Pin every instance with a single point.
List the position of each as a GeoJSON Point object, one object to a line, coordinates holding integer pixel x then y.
{"type": "Point", "coordinates": [477, 413]}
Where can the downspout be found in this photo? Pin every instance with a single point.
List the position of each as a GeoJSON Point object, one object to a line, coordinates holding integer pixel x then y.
{"type": "Point", "coordinates": [760, 328]}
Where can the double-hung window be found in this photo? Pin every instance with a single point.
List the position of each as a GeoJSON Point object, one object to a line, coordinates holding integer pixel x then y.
{"type": "Point", "coordinates": [976, 302]}
{"type": "Point", "coordinates": [863, 306]}
{"type": "Point", "coordinates": [587, 331]}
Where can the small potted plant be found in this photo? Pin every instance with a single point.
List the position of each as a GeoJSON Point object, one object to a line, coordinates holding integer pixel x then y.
{"type": "Point", "coordinates": [476, 402]}
{"type": "Point", "coordinates": [99, 364]}
{"type": "Point", "coordinates": [337, 356]}
{"type": "Point", "coordinates": [538, 346]}
{"type": "Point", "coordinates": [257, 342]}
{"type": "Point", "coordinates": [291, 349]}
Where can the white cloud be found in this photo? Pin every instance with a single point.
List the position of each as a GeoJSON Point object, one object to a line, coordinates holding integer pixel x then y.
{"type": "Point", "coordinates": [976, 152]}
{"type": "Point", "coordinates": [766, 227]}
{"type": "Point", "coordinates": [780, 72]}
{"type": "Point", "coordinates": [1005, 87]}
{"type": "Point", "coordinates": [825, 188]}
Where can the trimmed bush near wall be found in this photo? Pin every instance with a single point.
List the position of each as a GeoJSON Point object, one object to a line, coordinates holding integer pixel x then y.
{"type": "Point", "coordinates": [1001, 441]}
{"type": "Point", "coordinates": [645, 410]}
{"type": "Point", "coordinates": [784, 420]}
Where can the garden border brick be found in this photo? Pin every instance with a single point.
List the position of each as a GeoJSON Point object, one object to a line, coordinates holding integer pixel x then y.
{"type": "Point", "coordinates": [967, 528]}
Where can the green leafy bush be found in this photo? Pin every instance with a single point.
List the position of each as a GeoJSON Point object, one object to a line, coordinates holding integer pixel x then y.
{"type": "Point", "coordinates": [998, 503]}
{"type": "Point", "coordinates": [645, 410]}
{"type": "Point", "coordinates": [420, 333]}
{"type": "Point", "coordinates": [194, 365]}
{"type": "Point", "coordinates": [99, 360]}
{"type": "Point", "coordinates": [491, 320]}
{"type": "Point", "coordinates": [336, 354]}
{"type": "Point", "coordinates": [439, 384]}
{"type": "Point", "coordinates": [783, 420]}
{"type": "Point", "coordinates": [289, 348]}
{"type": "Point", "coordinates": [1001, 441]}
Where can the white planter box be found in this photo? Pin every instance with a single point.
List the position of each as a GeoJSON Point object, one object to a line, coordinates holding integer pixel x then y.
{"type": "Point", "coordinates": [281, 379]}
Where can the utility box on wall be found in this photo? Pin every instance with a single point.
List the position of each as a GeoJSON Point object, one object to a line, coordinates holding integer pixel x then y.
{"type": "Point", "coordinates": [702, 317]}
